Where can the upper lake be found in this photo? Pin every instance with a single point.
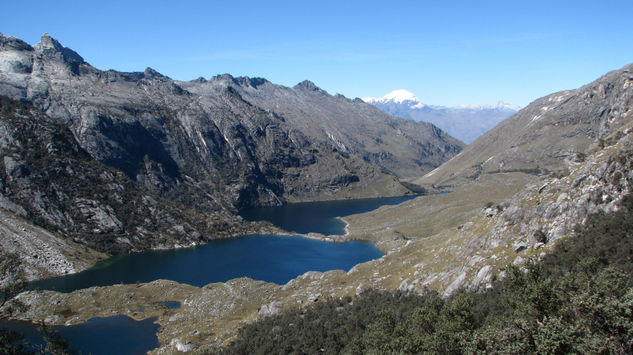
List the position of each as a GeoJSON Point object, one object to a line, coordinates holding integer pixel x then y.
{"type": "Point", "coordinates": [317, 217]}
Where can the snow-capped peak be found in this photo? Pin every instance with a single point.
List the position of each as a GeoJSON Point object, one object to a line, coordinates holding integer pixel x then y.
{"type": "Point", "coordinates": [406, 97]}
{"type": "Point", "coordinates": [397, 96]}
{"type": "Point", "coordinates": [400, 96]}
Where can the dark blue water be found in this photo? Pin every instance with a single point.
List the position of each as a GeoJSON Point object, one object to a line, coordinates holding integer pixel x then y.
{"type": "Point", "coordinates": [319, 217]}
{"type": "Point", "coordinates": [261, 257]}
{"type": "Point", "coordinates": [111, 335]}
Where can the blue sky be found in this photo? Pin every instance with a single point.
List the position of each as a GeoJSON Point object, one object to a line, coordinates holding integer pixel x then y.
{"type": "Point", "coordinates": [446, 52]}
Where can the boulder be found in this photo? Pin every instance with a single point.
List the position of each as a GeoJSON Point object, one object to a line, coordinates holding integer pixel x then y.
{"type": "Point", "coordinates": [455, 286]}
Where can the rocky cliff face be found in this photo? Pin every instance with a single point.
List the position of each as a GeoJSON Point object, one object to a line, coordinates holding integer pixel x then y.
{"type": "Point", "coordinates": [408, 149]}
{"type": "Point", "coordinates": [547, 135]}
{"type": "Point", "coordinates": [48, 179]}
{"type": "Point", "coordinates": [129, 161]}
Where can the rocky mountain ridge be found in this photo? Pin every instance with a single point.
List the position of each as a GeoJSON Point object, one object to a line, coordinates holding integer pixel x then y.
{"type": "Point", "coordinates": [244, 147]}
{"type": "Point", "coordinates": [464, 122]}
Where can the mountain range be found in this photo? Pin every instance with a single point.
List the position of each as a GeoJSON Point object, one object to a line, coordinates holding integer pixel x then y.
{"type": "Point", "coordinates": [464, 122]}
{"type": "Point", "coordinates": [226, 143]}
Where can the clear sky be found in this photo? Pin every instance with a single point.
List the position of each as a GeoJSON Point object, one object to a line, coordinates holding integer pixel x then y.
{"type": "Point", "coordinates": [445, 52]}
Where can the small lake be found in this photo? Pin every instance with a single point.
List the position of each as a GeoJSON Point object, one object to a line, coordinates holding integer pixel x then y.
{"type": "Point", "coordinates": [318, 217]}
{"type": "Point", "coordinates": [111, 335]}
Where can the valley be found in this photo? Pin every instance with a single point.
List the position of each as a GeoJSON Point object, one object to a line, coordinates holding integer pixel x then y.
{"type": "Point", "coordinates": [166, 164]}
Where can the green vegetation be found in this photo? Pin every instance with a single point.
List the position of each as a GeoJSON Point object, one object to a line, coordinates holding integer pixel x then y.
{"type": "Point", "coordinates": [11, 342]}
{"type": "Point", "coordinates": [579, 299]}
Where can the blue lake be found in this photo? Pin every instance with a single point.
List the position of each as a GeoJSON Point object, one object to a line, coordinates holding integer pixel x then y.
{"type": "Point", "coordinates": [261, 257]}
{"type": "Point", "coordinates": [111, 335]}
{"type": "Point", "coordinates": [319, 217]}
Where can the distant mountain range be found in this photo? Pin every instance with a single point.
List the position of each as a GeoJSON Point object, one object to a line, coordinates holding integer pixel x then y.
{"type": "Point", "coordinates": [464, 122]}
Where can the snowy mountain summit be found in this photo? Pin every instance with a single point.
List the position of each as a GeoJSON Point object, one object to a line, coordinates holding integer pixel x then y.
{"type": "Point", "coordinates": [400, 96]}
{"type": "Point", "coordinates": [464, 122]}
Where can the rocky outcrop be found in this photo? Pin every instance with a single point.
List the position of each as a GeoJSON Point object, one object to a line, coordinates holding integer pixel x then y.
{"type": "Point", "coordinates": [533, 220]}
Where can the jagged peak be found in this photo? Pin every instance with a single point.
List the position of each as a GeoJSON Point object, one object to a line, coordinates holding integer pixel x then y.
{"type": "Point", "coordinates": [240, 80]}
{"type": "Point", "coordinates": [50, 44]}
{"type": "Point", "coordinates": [223, 77]}
{"type": "Point", "coordinates": [150, 73]}
{"type": "Point", "coordinates": [307, 85]}
{"type": "Point", "coordinates": [252, 82]}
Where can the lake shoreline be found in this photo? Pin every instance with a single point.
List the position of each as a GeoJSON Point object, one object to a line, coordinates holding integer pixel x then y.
{"type": "Point", "coordinates": [261, 227]}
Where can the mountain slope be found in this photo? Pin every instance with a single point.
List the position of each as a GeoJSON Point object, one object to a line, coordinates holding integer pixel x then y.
{"type": "Point", "coordinates": [408, 149]}
{"type": "Point", "coordinates": [466, 122]}
{"type": "Point", "coordinates": [547, 135]}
